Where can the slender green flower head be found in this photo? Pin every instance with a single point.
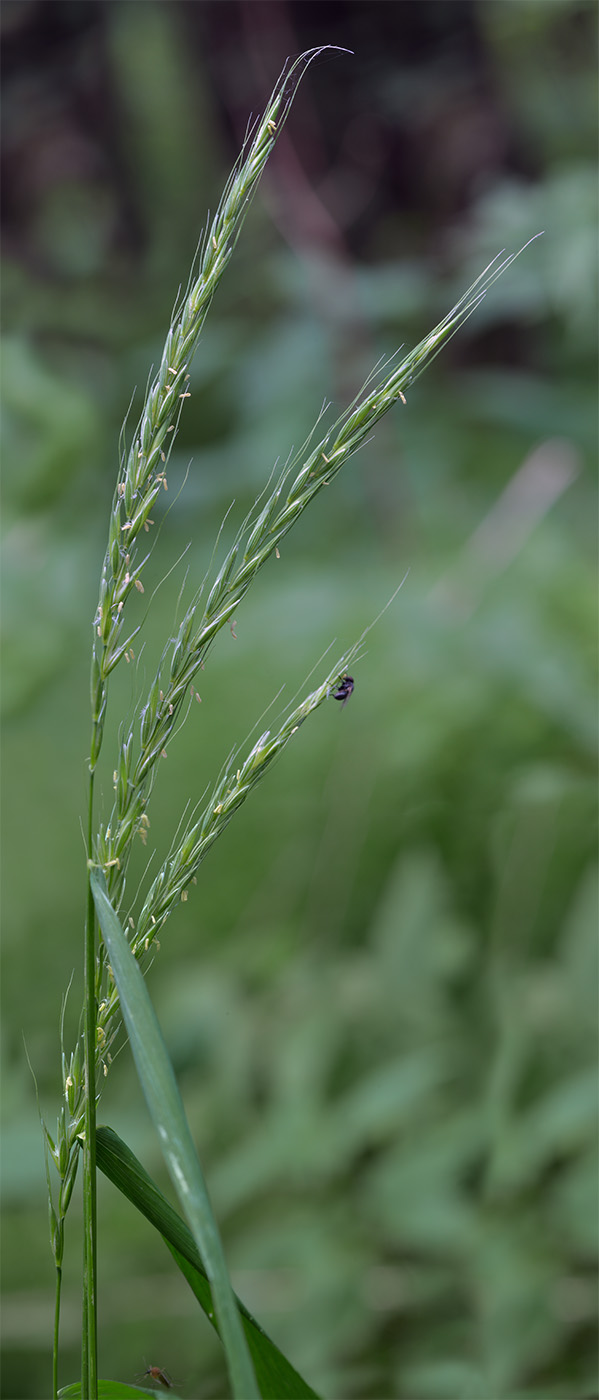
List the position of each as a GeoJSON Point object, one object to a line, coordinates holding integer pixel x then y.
{"type": "Point", "coordinates": [142, 473]}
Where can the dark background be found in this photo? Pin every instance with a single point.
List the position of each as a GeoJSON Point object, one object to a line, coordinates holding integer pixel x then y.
{"type": "Point", "coordinates": [381, 999]}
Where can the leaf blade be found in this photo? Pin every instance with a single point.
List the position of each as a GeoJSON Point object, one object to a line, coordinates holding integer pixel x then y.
{"type": "Point", "coordinates": [168, 1115]}
{"type": "Point", "coordinates": [277, 1378]}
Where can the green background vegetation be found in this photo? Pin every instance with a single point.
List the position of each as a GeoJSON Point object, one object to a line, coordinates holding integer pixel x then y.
{"type": "Point", "coordinates": [381, 999]}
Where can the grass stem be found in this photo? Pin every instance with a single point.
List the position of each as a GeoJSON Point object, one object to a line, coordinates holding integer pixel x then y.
{"type": "Point", "coordinates": [89, 1364]}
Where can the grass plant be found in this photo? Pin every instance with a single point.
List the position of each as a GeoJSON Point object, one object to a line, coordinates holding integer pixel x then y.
{"type": "Point", "coordinates": [120, 939]}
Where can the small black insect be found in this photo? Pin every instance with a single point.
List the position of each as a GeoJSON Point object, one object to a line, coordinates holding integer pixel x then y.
{"type": "Point", "coordinates": [344, 690]}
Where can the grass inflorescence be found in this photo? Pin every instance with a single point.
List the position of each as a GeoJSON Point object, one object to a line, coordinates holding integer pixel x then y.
{"type": "Point", "coordinates": [141, 483]}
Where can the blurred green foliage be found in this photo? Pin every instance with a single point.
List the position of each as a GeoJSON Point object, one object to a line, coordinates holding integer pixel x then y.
{"type": "Point", "coordinates": [381, 1000]}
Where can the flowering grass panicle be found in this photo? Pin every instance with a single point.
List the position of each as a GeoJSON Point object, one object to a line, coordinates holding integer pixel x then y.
{"type": "Point", "coordinates": [141, 482]}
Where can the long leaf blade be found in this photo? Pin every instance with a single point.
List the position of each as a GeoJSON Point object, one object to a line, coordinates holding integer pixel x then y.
{"type": "Point", "coordinates": [277, 1378]}
{"type": "Point", "coordinates": [166, 1109]}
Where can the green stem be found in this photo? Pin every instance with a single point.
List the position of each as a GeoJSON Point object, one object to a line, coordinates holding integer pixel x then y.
{"type": "Point", "coordinates": [56, 1332]}
{"type": "Point", "coordinates": [89, 1361]}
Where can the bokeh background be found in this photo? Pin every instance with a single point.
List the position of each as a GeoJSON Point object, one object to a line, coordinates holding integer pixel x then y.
{"type": "Point", "coordinates": [381, 999]}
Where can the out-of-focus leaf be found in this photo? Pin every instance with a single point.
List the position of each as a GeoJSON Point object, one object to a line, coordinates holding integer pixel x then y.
{"type": "Point", "coordinates": [48, 427]}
